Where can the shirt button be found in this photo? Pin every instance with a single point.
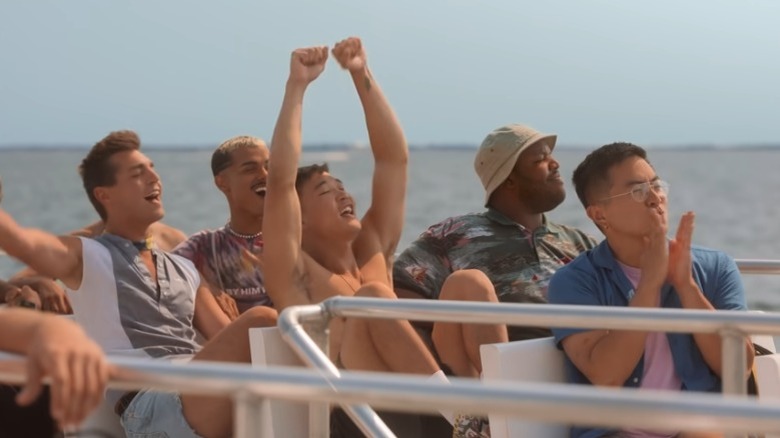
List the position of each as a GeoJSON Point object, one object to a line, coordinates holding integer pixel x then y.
{"type": "Point", "coordinates": [636, 379]}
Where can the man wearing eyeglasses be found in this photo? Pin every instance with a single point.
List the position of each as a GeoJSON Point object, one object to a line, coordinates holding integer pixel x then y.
{"type": "Point", "coordinates": [638, 266]}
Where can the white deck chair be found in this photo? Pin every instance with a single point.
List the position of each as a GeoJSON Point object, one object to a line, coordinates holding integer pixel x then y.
{"type": "Point", "coordinates": [288, 419]}
{"type": "Point", "coordinates": [535, 360]}
{"type": "Point", "coordinates": [539, 360]}
{"type": "Point", "coordinates": [767, 372]}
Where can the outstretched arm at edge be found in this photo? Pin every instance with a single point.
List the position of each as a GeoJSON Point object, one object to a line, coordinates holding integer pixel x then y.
{"type": "Point", "coordinates": [47, 254]}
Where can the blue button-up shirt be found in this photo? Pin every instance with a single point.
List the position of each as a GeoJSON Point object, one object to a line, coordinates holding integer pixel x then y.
{"type": "Point", "coordinates": [595, 278]}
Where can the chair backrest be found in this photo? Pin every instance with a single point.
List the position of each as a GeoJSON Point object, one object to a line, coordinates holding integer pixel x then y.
{"type": "Point", "coordinates": [535, 360]}
{"type": "Point", "coordinates": [767, 374]}
{"type": "Point", "coordinates": [539, 360]}
{"type": "Point", "coordinates": [289, 419]}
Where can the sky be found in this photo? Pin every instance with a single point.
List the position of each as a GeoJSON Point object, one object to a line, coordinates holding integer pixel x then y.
{"type": "Point", "coordinates": [194, 72]}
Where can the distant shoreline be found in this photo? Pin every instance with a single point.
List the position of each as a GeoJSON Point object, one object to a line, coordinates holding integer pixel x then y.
{"type": "Point", "coordinates": [432, 147]}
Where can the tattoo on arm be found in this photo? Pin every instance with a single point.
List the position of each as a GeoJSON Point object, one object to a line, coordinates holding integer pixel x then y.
{"type": "Point", "coordinates": [367, 83]}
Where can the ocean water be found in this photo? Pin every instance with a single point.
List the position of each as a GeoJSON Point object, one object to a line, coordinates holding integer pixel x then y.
{"type": "Point", "coordinates": [733, 192]}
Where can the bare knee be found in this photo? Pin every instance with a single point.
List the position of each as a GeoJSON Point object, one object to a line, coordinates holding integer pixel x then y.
{"type": "Point", "coordinates": [468, 285]}
{"type": "Point", "coordinates": [375, 289]}
{"type": "Point", "coordinates": [258, 316]}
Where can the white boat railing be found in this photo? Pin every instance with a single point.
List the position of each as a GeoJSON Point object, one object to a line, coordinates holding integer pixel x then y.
{"type": "Point", "coordinates": [250, 388]}
{"type": "Point", "coordinates": [758, 266]}
{"type": "Point", "coordinates": [561, 403]}
{"type": "Point", "coordinates": [732, 326]}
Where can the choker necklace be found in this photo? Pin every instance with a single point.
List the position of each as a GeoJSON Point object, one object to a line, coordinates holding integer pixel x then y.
{"type": "Point", "coordinates": [141, 245]}
{"type": "Point", "coordinates": [242, 236]}
{"type": "Point", "coordinates": [144, 245]}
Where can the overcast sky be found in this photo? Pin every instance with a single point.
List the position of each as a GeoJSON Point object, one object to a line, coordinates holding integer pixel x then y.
{"type": "Point", "coordinates": [194, 72]}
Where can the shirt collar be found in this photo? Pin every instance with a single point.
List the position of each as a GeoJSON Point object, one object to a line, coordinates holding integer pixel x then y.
{"type": "Point", "coordinates": [498, 217]}
{"type": "Point", "coordinates": [129, 247]}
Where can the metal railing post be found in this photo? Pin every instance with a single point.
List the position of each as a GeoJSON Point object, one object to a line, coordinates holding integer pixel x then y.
{"type": "Point", "coordinates": [291, 327]}
{"type": "Point", "coordinates": [244, 406]}
{"type": "Point", "coordinates": [319, 413]}
{"type": "Point", "coordinates": [734, 362]}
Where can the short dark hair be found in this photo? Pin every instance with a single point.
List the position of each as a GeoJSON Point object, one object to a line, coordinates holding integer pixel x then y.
{"type": "Point", "coordinates": [306, 172]}
{"type": "Point", "coordinates": [96, 169]}
{"type": "Point", "coordinates": [591, 176]}
{"type": "Point", "coordinates": [222, 157]}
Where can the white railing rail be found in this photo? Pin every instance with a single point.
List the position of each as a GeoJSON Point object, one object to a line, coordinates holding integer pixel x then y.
{"type": "Point", "coordinates": [732, 326]}
{"type": "Point", "coordinates": [577, 404]}
{"type": "Point", "coordinates": [758, 266]}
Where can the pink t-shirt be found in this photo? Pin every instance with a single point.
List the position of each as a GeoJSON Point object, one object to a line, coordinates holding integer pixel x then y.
{"type": "Point", "coordinates": [658, 373]}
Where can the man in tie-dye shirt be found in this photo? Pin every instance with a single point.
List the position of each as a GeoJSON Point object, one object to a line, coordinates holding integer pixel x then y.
{"type": "Point", "coordinates": [507, 253]}
{"type": "Point", "coordinates": [240, 167]}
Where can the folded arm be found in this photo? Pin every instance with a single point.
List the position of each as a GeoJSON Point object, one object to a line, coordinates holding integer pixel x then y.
{"type": "Point", "coordinates": [209, 318]}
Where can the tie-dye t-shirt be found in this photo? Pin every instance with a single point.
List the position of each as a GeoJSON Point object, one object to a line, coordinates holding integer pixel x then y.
{"type": "Point", "coordinates": [518, 262]}
{"type": "Point", "coordinates": [218, 257]}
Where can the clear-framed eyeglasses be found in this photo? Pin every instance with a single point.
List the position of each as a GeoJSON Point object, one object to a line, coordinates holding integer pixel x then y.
{"type": "Point", "coordinates": [640, 192]}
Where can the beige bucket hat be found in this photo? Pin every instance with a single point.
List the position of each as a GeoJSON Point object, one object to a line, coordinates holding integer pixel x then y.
{"type": "Point", "coordinates": [499, 151]}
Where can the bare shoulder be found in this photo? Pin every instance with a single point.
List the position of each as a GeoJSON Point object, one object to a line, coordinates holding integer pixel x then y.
{"type": "Point", "coordinates": [91, 230]}
{"type": "Point", "coordinates": [166, 236]}
{"type": "Point", "coordinates": [375, 262]}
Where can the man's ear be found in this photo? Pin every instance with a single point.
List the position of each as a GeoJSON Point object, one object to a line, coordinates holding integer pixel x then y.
{"type": "Point", "coordinates": [101, 194]}
{"type": "Point", "coordinates": [221, 182]}
{"type": "Point", "coordinates": [596, 214]}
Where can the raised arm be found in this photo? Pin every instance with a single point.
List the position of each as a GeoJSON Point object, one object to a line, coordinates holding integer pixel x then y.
{"type": "Point", "coordinates": [282, 218]}
{"type": "Point", "coordinates": [385, 217]}
{"type": "Point", "coordinates": [49, 255]}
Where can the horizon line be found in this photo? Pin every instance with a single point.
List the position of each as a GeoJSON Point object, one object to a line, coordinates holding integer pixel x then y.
{"type": "Point", "coordinates": [412, 146]}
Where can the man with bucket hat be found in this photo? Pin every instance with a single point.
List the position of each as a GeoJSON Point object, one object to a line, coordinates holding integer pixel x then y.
{"type": "Point", "coordinates": [506, 253]}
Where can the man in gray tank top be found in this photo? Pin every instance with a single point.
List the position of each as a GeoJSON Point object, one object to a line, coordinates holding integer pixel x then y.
{"type": "Point", "coordinates": [134, 299]}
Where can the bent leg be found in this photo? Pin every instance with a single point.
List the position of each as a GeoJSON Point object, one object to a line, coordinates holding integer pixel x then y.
{"type": "Point", "coordinates": [212, 417]}
{"type": "Point", "coordinates": [458, 344]}
{"type": "Point", "coordinates": [382, 344]}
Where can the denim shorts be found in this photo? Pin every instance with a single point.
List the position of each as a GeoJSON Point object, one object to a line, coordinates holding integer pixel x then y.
{"type": "Point", "coordinates": [154, 414]}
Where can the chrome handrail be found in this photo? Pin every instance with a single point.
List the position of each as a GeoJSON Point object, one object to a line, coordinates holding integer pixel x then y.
{"type": "Point", "coordinates": [758, 266]}
{"type": "Point", "coordinates": [732, 326]}
{"type": "Point", "coordinates": [618, 408]}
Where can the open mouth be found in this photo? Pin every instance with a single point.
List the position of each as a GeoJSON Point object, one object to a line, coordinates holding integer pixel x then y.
{"type": "Point", "coordinates": [348, 211]}
{"type": "Point", "coordinates": [259, 189]}
{"type": "Point", "coordinates": [153, 197]}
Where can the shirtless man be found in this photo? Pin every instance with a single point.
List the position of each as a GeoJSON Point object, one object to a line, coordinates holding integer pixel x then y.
{"type": "Point", "coordinates": [320, 249]}
{"type": "Point", "coordinates": [133, 298]}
